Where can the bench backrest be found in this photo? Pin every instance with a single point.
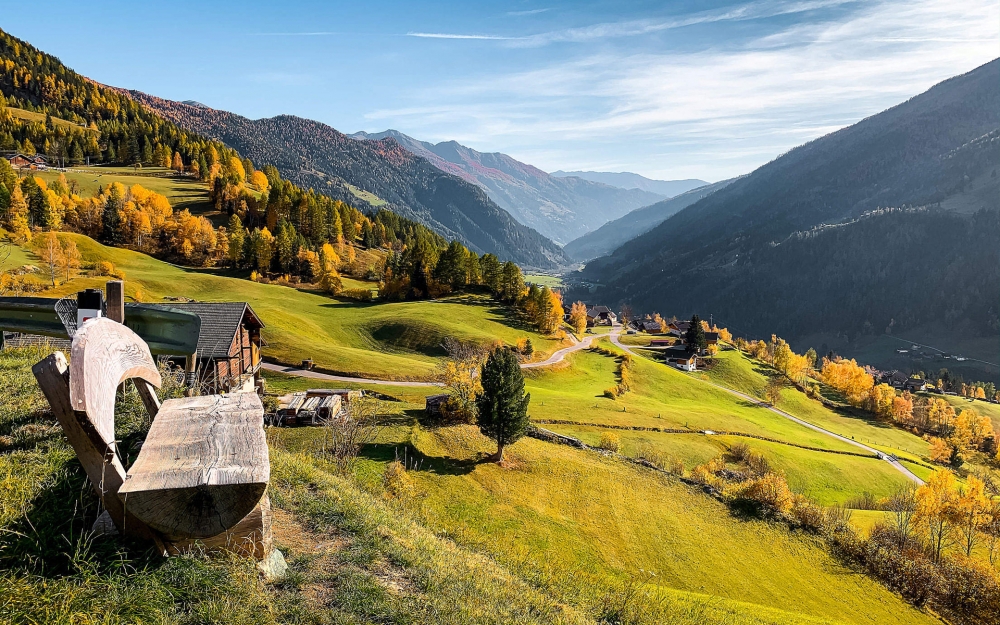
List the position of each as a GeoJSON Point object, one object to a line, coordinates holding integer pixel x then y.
{"type": "Point", "coordinates": [105, 354]}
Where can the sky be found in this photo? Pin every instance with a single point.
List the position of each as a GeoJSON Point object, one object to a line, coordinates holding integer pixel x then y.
{"type": "Point", "coordinates": [665, 89]}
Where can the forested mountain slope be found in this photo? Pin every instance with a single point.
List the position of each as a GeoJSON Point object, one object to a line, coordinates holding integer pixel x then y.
{"type": "Point", "coordinates": [757, 254]}
{"type": "Point", "coordinates": [373, 173]}
{"type": "Point", "coordinates": [613, 234]}
{"type": "Point", "coordinates": [559, 208]}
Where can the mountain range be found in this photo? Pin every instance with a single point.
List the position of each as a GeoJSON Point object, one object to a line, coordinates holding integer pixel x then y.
{"type": "Point", "coordinates": [369, 174]}
{"type": "Point", "coordinates": [561, 208]}
{"type": "Point", "coordinates": [628, 180]}
{"type": "Point", "coordinates": [616, 233]}
{"type": "Point", "coordinates": [886, 225]}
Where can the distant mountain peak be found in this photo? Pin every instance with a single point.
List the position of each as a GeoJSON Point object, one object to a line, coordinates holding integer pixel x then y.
{"type": "Point", "coordinates": [629, 180]}
{"type": "Point", "coordinates": [195, 103]}
{"type": "Point", "coordinates": [560, 208]}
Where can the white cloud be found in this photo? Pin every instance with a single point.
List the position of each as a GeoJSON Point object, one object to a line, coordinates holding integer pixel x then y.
{"type": "Point", "coordinates": [527, 12]}
{"type": "Point", "coordinates": [460, 36]}
{"type": "Point", "coordinates": [711, 113]}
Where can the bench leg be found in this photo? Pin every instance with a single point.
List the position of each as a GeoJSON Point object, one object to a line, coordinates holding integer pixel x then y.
{"type": "Point", "coordinates": [101, 463]}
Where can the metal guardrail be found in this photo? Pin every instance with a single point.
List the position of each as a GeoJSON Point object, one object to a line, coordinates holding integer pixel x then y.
{"type": "Point", "coordinates": [167, 331]}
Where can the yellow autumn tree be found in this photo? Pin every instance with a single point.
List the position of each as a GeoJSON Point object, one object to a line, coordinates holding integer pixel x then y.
{"type": "Point", "coordinates": [578, 317]}
{"type": "Point", "coordinates": [50, 251]}
{"type": "Point", "coordinates": [554, 313]}
{"type": "Point", "coordinates": [935, 510]}
{"type": "Point", "coordinates": [70, 259]}
{"type": "Point", "coordinates": [971, 511]}
{"type": "Point", "coordinates": [325, 272]}
{"type": "Point", "coordinates": [259, 180]}
{"type": "Point", "coordinates": [17, 217]}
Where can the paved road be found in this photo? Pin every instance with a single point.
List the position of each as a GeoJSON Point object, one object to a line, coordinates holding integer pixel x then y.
{"type": "Point", "coordinates": [556, 357]}
{"type": "Point", "coordinates": [559, 355]}
{"type": "Point", "coordinates": [616, 331]}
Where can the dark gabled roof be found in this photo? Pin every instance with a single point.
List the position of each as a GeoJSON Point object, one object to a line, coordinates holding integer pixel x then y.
{"type": "Point", "coordinates": [681, 325]}
{"type": "Point", "coordinates": [219, 323]}
{"type": "Point", "coordinates": [711, 336]}
{"type": "Point", "coordinates": [597, 310]}
{"type": "Point", "coordinates": [682, 354]}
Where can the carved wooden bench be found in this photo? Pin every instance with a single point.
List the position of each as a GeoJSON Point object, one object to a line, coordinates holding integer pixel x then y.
{"type": "Point", "coordinates": [203, 469]}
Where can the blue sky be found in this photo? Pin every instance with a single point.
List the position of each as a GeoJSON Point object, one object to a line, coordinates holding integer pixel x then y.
{"type": "Point", "coordinates": [666, 89]}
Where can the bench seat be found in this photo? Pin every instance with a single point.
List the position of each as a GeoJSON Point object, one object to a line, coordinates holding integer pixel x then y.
{"type": "Point", "coordinates": [203, 467]}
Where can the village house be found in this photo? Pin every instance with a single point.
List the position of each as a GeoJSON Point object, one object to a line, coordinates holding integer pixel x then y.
{"type": "Point", "coordinates": [683, 358]}
{"type": "Point", "coordinates": [678, 328]}
{"type": "Point", "coordinates": [915, 385]}
{"type": "Point", "coordinates": [601, 316]}
{"type": "Point", "coordinates": [24, 161]}
{"type": "Point", "coordinates": [228, 345]}
{"type": "Point", "coordinates": [649, 326]}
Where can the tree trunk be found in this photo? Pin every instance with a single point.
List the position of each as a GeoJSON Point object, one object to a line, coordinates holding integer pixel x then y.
{"type": "Point", "coordinates": [498, 457]}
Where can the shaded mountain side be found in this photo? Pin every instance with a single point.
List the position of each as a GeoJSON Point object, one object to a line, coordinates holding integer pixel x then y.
{"type": "Point", "coordinates": [560, 208]}
{"type": "Point", "coordinates": [628, 180]}
{"type": "Point", "coordinates": [614, 234]}
{"type": "Point", "coordinates": [368, 174]}
{"type": "Point", "coordinates": [734, 253]}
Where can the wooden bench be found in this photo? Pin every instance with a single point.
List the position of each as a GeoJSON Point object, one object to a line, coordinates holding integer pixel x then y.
{"type": "Point", "coordinates": [202, 473]}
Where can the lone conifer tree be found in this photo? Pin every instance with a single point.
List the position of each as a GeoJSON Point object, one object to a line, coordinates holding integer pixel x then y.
{"type": "Point", "coordinates": [695, 337]}
{"type": "Point", "coordinates": [503, 404]}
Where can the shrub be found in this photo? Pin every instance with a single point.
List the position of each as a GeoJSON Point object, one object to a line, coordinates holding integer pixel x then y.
{"type": "Point", "coordinates": [610, 442]}
{"type": "Point", "coordinates": [770, 491]}
{"type": "Point", "coordinates": [396, 481]}
{"type": "Point", "coordinates": [361, 295]}
{"type": "Point", "coordinates": [740, 451]}
{"type": "Point", "coordinates": [107, 268]}
{"type": "Point", "coordinates": [611, 393]}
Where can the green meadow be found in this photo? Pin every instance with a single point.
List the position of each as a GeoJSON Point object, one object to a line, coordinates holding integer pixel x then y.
{"type": "Point", "coordinates": [399, 340]}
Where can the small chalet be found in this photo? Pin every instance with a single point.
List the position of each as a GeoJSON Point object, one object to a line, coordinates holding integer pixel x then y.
{"type": "Point", "coordinates": [24, 161]}
{"type": "Point", "coordinates": [650, 327]}
{"type": "Point", "coordinates": [915, 384]}
{"type": "Point", "coordinates": [601, 316]}
{"type": "Point", "coordinates": [661, 343]}
{"type": "Point", "coordinates": [678, 328]}
{"type": "Point", "coordinates": [683, 358]}
{"type": "Point", "coordinates": [228, 346]}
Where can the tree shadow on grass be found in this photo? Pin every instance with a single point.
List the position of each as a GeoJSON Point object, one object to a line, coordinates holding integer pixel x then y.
{"type": "Point", "coordinates": [54, 537]}
{"type": "Point", "coordinates": [417, 461]}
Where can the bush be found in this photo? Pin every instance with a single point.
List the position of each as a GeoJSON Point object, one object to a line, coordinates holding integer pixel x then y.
{"type": "Point", "coordinates": [361, 295]}
{"type": "Point", "coordinates": [610, 442]}
{"type": "Point", "coordinates": [611, 393]}
{"type": "Point", "coordinates": [740, 451]}
{"type": "Point", "coordinates": [770, 491]}
{"type": "Point", "coordinates": [107, 268]}
{"type": "Point", "coordinates": [396, 481]}
{"type": "Point", "coordinates": [660, 460]}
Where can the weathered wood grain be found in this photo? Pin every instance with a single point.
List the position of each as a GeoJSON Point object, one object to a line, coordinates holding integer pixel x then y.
{"type": "Point", "coordinates": [251, 537]}
{"type": "Point", "coordinates": [105, 354]}
{"type": "Point", "coordinates": [98, 458]}
{"type": "Point", "coordinates": [203, 467]}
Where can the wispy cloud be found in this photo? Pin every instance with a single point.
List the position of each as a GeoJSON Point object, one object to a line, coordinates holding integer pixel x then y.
{"type": "Point", "coordinates": [460, 36]}
{"type": "Point", "coordinates": [527, 12]}
{"type": "Point", "coordinates": [712, 112]}
{"type": "Point", "coordinates": [318, 33]}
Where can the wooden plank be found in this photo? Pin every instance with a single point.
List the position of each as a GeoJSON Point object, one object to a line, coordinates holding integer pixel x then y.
{"type": "Point", "coordinates": [203, 468]}
{"type": "Point", "coordinates": [148, 396]}
{"type": "Point", "coordinates": [251, 537]}
{"type": "Point", "coordinates": [99, 459]}
{"type": "Point", "coordinates": [105, 354]}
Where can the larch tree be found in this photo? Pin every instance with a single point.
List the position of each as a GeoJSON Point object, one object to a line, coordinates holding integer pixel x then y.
{"type": "Point", "coordinates": [502, 405]}
{"type": "Point", "coordinates": [51, 255]}
{"type": "Point", "coordinates": [70, 259]}
{"type": "Point", "coordinates": [17, 216]}
{"type": "Point", "coordinates": [578, 317]}
{"type": "Point", "coordinates": [935, 510]}
{"type": "Point", "coordinates": [237, 240]}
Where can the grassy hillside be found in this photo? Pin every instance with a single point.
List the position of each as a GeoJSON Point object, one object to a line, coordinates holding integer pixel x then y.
{"type": "Point", "coordinates": [664, 398]}
{"type": "Point", "coordinates": [385, 340]}
{"type": "Point", "coordinates": [32, 116]}
{"type": "Point", "coordinates": [182, 192]}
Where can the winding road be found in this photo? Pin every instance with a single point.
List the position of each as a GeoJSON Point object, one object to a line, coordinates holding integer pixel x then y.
{"type": "Point", "coordinates": [616, 332]}
{"type": "Point", "coordinates": [556, 357]}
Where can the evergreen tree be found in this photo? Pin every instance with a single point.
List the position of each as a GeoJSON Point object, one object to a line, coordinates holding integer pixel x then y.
{"type": "Point", "coordinates": [503, 404]}
{"type": "Point", "coordinates": [695, 337]}
{"type": "Point", "coordinates": [111, 231]}
{"type": "Point", "coordinates": [202, 167]}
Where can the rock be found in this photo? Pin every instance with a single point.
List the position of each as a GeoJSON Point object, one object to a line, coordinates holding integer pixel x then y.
{"type": "Point", "coordinates": [273, 567]}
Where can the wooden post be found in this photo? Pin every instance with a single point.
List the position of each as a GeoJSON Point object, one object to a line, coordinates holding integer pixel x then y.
{"type": "Point", "coordinates": [190, 373]}
{"type": "Point", "coordinates": [116, 300]}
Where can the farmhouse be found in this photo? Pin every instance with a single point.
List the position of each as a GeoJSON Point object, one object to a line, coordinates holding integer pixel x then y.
{"type": "Point", "coordinates": [661, 342]}
{"type": "Point", "coordinates": [915, 384]}
{"type": "Point", "coordinates": [228, 346]}
{"type": "Point", "coordinates": [24, 161]}
{"type": "Point", "coordinates": [684, 359]}
{"type": "Point", "coordinates": [601, 316]}
{"type": "Point", "coordinates": [649, 326]}
{"type": "Point", "coordinates": [678, 328]}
